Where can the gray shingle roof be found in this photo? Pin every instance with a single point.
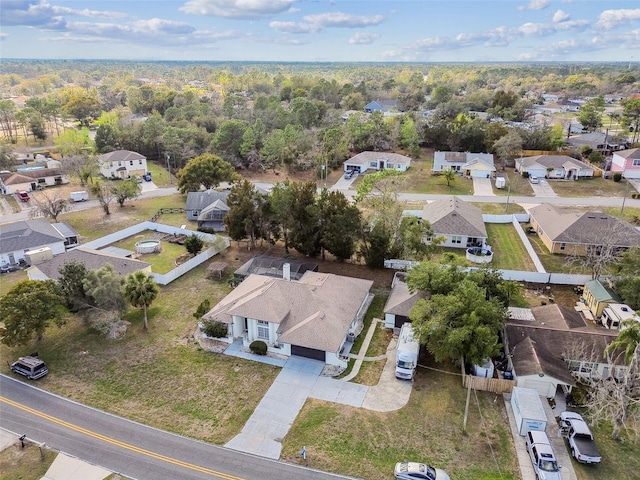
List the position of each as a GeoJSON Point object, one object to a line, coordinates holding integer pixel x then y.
{"type": "Point", "coordinates": [315, 312]}
{"type": "Point", "coordinates": [93, 260]}
{"type": "Point", "coordinates": [631, 153]}
{"type": "Point", "coordinates": [200, 200]}
{"type": "Point", "coordinates": [452, 216]}
{"type": "Point", "coordinates": [401, 299]}
{"type": "Point", "coordinates": [554, 161]}
{"type": "Point", "coordinates": [583, 228]}
{"type": "Point", "coordinates": [120, 156]}
{"type": "Point", "coordinates": [28, 235]}
{"type": "Point", "coordinates": [30, 175]}
{"type": "Point", "coordinates": [366, 157]}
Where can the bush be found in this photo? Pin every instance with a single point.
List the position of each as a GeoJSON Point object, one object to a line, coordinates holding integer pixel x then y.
{"type": "Point", "coordinates": [193, 244]}
{"type": "Point", "coordinates": [617, 177]}
{"type": "Point", "coordinates": [525, 174]}
{"type": "Point", "coordinates": [206, 230]}
{"type": "Point", "coordinates": [215, 329]}
{"type": "Point", "coordinates": [258, 347]}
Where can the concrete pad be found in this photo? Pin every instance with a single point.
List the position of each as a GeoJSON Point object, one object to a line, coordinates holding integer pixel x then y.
{"type": "Point", "coordinates": [7, 439]}
{"type": "Point", "coordinates": [65, 467]}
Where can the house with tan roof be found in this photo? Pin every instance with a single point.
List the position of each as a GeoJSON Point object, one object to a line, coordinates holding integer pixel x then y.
{"type": "Point", "coordinates": [377, 161]}
{"type": "Point", "coordinates": [554, 346]}
{"type": "Point", "coordinates": [309, 318]}
{"type": "Point", "coordinates": [626, 162]}
{"type": "Point", "coordinates": [569, 232]}
{"type": "Point", "coordinates": [458, 221]}
{"type": "Point", "coordinates": [31, 180]}
{"type": "Point", "coordinates": [122, 164]}
{"type": "Point", "coordinates": [558, 167]}
{"type": "Point", "coordinates": [470, 164]}
{"type": "Point", "coordinates": [400, 301]}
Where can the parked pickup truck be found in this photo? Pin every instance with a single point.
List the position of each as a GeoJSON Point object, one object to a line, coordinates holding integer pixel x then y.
{"type": "Point", "coordinates": [580, 439]}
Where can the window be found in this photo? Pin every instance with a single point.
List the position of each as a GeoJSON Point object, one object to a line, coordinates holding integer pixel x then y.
{"type": "Point", "coordinates": [140, 162]}
{"type": "Point", "coordinates": [263, 330]}
{"type": "Point", "coordinates": [563, 246]}
{"type": "Point", "coordinates": [636, 162]}
{"type": "Point", "coordinates": [373, 164]}
{"type": "Point", "coordinates": [456, 239]}
{"type": "Point", "coordinates": [131, 162]}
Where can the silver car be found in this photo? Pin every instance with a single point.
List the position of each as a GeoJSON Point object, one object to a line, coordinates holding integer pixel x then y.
{"type": "Point", "coordinates": [421, 471]}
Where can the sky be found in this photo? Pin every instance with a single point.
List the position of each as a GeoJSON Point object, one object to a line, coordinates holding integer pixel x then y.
{"type": "Point", "coordinates": [322, 30]}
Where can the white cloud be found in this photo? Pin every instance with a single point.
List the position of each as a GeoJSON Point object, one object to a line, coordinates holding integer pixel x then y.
{"type": "Point", "coordinates": [363, 38]}
{"type": "Point", "coordinates": [33, 13]}
{"type": "Point", "coordinates": [612, 18]}
{"type": "Point", "coordinates": [560, 16]}
{"type": "Point", "coordinates": [294, 27]}
{"type": "Point", "coordinates": [87, 13]}
{"type": "Point", "coordinates": [535, 5]}
{"type": "Point", "coordinates": [343, 20]}
{"type": "Point", "coordinates": [238, 9]}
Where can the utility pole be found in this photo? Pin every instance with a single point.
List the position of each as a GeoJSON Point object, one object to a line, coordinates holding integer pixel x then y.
{"type": "Point", "coordinates": [168, 168]}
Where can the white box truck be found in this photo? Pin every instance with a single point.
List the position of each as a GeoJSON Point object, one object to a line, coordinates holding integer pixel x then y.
{"type": "Point", "coordinates": [79, 196]}
{"type": "Point", "coordinates": [528, 410]}
{"type": "Point", "coordinates": [406, 353]}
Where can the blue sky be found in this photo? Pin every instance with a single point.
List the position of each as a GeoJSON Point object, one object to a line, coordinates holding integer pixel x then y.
{"type": "Point", "coordinates": [320, 30]}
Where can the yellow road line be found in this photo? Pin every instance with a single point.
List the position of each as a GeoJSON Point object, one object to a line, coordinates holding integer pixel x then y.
{"type": "Point", "coordinates": [118, 443]}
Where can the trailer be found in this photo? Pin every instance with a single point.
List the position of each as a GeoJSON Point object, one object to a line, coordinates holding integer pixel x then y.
{"type": "Point", "coordinates": [528, 410]}
{"type": "Point", "coordinates": [406, 353]}
{"type": "Point", "coordinates": [79, 196]}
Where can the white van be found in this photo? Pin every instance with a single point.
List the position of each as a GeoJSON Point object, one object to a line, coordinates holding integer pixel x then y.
{"type": "Point", "coordinates": [31, 367]}
{"type": "Point", "coordinates": [542, 457]}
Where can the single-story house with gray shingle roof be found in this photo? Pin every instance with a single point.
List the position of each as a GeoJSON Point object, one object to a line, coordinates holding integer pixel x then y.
{"type": "Point", "coordinates": [459, 222]}
{"type": "Point", "coordinates": [309, 318]}
{"type": "Point", "coordinates": [122, 164]}
{"type": "Point", "coordinates": [572, 233]}
{"type": "Point", "coordinates": [377, 161]}
{"type": "Point", "coordinates": [553, 347]}
{"type": "Point", "coordinates": [396, 309]}
{"type": "Point", "coordinates": [457, 160]}
{"type": "Point", "coordinates": [384, 106]}
{"type": "Point", "coordinates": [602, 142]}
{"type": "Point", "coordinates": [92, 259]}
{"type": "Point", "coordinates": [554, 166]}
{"type": "Point", "coordinates": [208, 208]}
{"type": "Point", "coordinates": [20, 237]}
{"type": "Point", "coordinates": [31, 180]}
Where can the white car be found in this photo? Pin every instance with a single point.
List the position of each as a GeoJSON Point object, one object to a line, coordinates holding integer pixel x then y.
{"type": "Point", "coordinates": [534, 179]}
{"type": "Point", "coordinates": [421, 471]}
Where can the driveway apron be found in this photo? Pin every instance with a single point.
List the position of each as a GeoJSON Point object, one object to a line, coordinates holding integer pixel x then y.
{"type": "Point", "coordinates": [299, 379]}
{"type": "Point", "coordinates": [482, 187]}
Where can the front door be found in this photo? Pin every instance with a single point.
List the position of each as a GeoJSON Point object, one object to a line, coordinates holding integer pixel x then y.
{"type": "Point", "coordinates": [12, 258]}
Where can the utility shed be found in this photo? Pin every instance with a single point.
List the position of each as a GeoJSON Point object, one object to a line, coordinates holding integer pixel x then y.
{"type": "Point", "coordinates": [528, 410]}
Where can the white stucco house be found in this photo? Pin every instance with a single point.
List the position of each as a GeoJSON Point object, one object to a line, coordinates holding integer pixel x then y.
{"type": "Point", "coordinates": [122, 164]}
{"type": "Point", "coordinates": [554, 167]}
{"type": "Point", "coordinates": [377, 161]}
{"type": "Point", "coordinates": [459, 222]}
{"type": "Point", "coordinates": [467, 163]}
{"type": "Point", "coordinates": [309, 318]}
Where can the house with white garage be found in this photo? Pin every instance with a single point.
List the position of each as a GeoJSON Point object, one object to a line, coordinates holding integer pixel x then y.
{"type": "Point", "coordinates": [18, 238]}
{"type": "Point", "coordinates": [310, 318]}
{"type": "Point", "coordinates": [551, 346]}
{"type": "Point", "coordinates": [31, 180]}
{"type": "Point", "coordinates": [377, 161]}
{"type": "Point", "coordinates": [467, 163]}
{"type": "Point", "coordinates": [459, 222]}
{"type": "Point", "coordinates": [626, 162]}
{"type": "Point", "coordinates": [560, 167]}
{"type": "Point", "coordinates": [122, 164]}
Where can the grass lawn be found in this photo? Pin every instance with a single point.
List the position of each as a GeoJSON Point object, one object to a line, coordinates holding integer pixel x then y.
{"type": "Point", "coordinates": [161, 377]}
{"type": "Point", "coordinates": [591, 187]}
{"type": "Point", "coordinates": [162, 262]}
{"type": "Point", "coordinates": [92, 224]}
{"type": "Point", "coordinates": [420, 180]}
{"type": "Point", "coordinates": [620, 458]}
{"type": "Point", "coordinates": [517, 186]}
{"type": "Point", "coordinates": [8, 280]}
{"type": "Point", "coordinates": [367, 444]}
{"type": "Point", "coordinates": [26, 463]}
{"type": "Point", "coordinates": [508, 251]}
{"type": "Point", "coordinates": [159, 174]}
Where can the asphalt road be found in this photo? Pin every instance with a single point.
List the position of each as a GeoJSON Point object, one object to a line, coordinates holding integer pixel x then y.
{"type": "Point", "coordinates": [127, 447]}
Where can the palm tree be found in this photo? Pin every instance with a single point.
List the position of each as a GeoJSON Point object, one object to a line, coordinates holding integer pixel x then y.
{"type": "Point", "coordinates": [628, 340]}
{"type": "Point", "coordinates": [141, 290]}
{"type": "Point", "coordinates": [449, 176]}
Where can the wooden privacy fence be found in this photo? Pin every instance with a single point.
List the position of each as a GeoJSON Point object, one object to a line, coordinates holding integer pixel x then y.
{"type": "Point", "coordinates": [166, 210]}
{"type": "Point", "coordinates": [495, 385]}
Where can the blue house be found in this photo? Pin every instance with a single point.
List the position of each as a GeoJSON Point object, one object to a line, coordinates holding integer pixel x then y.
{"type": "Point", "coordinates": [384, 106]}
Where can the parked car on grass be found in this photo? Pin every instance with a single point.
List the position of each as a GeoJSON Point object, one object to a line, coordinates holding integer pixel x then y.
{"type": "Point", "coordinates": [23, 196]}
{"type": "Point", "coordinates": [421, 471]}
{"type": "Point", "coordinates": [581, 443]}
{"type": "Point", "coordinates": [31, 367]}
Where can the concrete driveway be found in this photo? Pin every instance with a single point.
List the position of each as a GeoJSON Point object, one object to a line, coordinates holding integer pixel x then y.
{"type": "Point", "coordinates": [482, 187]}
{"type": "Point", "coordinates": [543, 189]}
{"type": "Point", "coordinates": [343, 183]}
{"type": "Point", "coordinates": [299, 379]}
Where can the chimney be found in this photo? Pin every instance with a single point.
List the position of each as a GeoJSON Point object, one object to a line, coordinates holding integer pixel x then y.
{"type": "Point", "coordinates": [286, 271]}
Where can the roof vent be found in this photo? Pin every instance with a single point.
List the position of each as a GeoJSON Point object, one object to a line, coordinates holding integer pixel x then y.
{"type": "Point", "coordinates": [624, 309]}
